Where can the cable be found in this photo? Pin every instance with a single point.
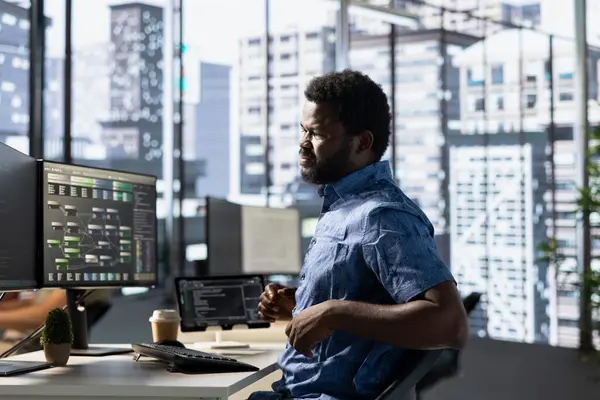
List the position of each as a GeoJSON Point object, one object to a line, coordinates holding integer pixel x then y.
{"type": "Point", "coordinates": [2, 295]}
{"type": "Point", "coordinates": [27, 339]}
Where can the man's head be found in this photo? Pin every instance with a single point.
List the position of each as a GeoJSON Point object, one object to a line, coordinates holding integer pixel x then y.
{"type": "Point", "coordinates": [345, 126]}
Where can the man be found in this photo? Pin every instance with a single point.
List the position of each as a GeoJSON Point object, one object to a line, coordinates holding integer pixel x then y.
{"type": "Point", "coordinates": [372, 283]}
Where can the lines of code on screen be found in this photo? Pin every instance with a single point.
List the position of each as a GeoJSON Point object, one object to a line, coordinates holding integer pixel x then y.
{"type": "Point", "coordinates": [219, 302]}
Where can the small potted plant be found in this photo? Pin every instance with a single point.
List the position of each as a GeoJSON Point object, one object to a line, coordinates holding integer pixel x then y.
{"type": "Point", "coordinates": [57, 337]}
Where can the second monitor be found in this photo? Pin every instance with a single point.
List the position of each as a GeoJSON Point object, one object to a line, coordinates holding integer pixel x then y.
{"type": "Point", "coordinates": [251, 240]}
{"type": "Point", "coordinates": [99, 231]}
{"type": "Point", "coordinates": [99, 227]}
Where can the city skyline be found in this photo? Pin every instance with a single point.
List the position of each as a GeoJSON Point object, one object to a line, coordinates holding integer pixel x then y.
{"type": "Point", "coordinates": [247, 18]}
{"type": "Point", "coordinates": [200, 17]}
{"type": "Point", "coordinates": [455, 96]}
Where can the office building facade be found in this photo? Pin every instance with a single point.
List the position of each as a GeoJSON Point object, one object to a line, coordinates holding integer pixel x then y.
{"type": "Point", "coordinates": [14, 70]}
{"type": "Point", "coordinates": [296, 56]}
{"type": "Point", "coordinates": [14, 81]}
{"type": "Point", "coordinates": [497, 213]}
{"type": "Point", "coordinates": [206, 130]}
{"type": "Point", "coordinates": [133, 130]}
{"type": "Point", "coordinates": [426, 96]}
{"type": "Point", "coordinates": [476, 17]}
{"type": "Point", "coordinates": [511, 95]}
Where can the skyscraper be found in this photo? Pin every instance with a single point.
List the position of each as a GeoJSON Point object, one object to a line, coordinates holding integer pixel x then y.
{"type": "Point", "coordinates": [510, 94]}
{"type": "Point", "coordinates": [497, 213]}
{"type": "Point", "coordinates": [427, 97]}
{"type": "Point", "coordinates": [14, 82]}
{"type": "Point", "coordinates": [134, 128]}
{"type": "Point", "coordinates": [296, 55]}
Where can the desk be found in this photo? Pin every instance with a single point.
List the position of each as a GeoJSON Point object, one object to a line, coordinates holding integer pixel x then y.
{"type": "Point", "coordinates": [118, 377]}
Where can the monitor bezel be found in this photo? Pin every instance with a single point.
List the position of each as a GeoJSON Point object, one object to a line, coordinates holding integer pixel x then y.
{"type": "Point", "coordinates": [41, 248]}
{"type": "Point", "coordinates": [225, 327]}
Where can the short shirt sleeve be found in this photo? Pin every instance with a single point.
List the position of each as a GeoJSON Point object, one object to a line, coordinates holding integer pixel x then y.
{"type": "Point", "coordinates": [400, 248]}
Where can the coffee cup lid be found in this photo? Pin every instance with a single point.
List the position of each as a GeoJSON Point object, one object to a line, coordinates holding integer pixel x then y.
{"type": "Point", "coordinates": [164, 315]}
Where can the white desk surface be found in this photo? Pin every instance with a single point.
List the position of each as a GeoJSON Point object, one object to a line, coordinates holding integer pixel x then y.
{"type": "Point", "coordinates": [95, 378]}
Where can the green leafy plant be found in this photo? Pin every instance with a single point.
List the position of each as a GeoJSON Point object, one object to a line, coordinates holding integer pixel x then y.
{"type": "Point", "coordinates": [585, 280]}
{"type": "Point", "coordinates": [58, 328]}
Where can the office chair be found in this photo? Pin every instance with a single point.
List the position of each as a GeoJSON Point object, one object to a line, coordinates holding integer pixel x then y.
{"type": "Point", "coordinates": [446, 365]}
{"type": "Point", "coordinates": [423, 369]}
{"type": "Point", "coordinates": [413, 368]}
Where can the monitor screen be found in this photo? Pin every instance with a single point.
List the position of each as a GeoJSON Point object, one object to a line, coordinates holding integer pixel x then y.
{"type": "Point", "coordinates": [219, 301]}
{"type": "Point", "coordinates": [18, 218]}
{"type": "Point", "coordinates": [99, 227]}
{"type": "Point", "coordinates": [251, 240]}
{"type": "Point", "coordinates": [270, 240]}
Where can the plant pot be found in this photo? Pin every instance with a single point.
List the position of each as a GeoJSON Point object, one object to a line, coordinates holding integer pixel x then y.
{"type": "Point", "coordinates": [57, 354]}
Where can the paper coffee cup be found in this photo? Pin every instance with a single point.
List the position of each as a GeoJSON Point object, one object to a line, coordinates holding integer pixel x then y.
{"type": "Point", "coordinates": [165, 325]}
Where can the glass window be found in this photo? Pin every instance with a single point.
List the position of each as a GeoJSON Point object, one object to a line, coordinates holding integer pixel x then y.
{"type": "Point", "coordinates": [117, 88]}
{"type": "Point", "coordinates": [565, 96]}
{"type": "Point", "coordinates": [497, 74]}
{"type": "Point", "coordinates": [118, 117]}
{"type": "Point", "coordinates": [14, 75]}
{"type": "Point", "coordinates": [480, 104]}
{"type": "Point", "coordinates": [500, 103]}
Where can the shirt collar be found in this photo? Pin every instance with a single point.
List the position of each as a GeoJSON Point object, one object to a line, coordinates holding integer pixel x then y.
{"type": "Point", "coordinates": [353, 182]}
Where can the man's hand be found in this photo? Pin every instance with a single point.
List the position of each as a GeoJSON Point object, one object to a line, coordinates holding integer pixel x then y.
{"type": "Point", "coordinates": [309, 327]}
{"type": "Point", "coordinates": [276, 303]}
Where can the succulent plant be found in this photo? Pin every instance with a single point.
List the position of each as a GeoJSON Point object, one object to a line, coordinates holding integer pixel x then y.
{"type": "Point", "coordinates": [58, 328]}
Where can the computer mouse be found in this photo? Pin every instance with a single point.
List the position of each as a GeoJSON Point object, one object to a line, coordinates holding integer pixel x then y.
{"type": "Point", "coordinates": [172, 343]}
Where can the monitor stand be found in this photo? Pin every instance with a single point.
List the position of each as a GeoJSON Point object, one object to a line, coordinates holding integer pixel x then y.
{"type": "Point", "coordinates": [219, 344]}
{"type": "Point", "coordinates": [78, 314]}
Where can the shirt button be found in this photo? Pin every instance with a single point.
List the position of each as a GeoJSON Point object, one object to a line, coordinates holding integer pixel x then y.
{"type": "Point", "coordinates": [302, 277]}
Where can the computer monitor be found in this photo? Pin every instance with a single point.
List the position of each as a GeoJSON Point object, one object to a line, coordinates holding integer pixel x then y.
{"type": "Point", "coordinates": [19, 214]}
{"type": "Point", "coordinates": [98, 231]}
{"type": "Point", "coordinates": [18, 218]}
{"type": "Point", "coordinates": [251, 240]}
{"type": "Point", "coordinates": [223, 237]}
{"type": "Point", "coordinates": [223, 301]}
{"type": "Point", "coordinates": [270, 240]}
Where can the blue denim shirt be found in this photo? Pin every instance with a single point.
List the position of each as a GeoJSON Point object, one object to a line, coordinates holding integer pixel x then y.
{"type": "Point", "coordinates": [372, 244]}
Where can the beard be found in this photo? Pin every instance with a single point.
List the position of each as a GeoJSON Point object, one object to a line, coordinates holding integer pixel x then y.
{"type": "Point", "coordinates": [327, 170]}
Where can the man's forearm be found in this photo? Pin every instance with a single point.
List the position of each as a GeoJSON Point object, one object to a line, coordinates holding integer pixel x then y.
{"type": "Point", "coordinates": [418, 324]}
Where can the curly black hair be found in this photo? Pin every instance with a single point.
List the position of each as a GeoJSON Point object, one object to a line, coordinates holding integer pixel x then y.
{"type": "Point", "coordinates": [362, 104]}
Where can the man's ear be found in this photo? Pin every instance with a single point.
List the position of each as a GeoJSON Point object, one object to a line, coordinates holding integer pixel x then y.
{"type": "Point", "coordinates": [365, 141]}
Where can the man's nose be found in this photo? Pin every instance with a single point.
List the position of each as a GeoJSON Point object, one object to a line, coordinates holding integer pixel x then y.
{"type": "Point", "coordinates": [304, 142]}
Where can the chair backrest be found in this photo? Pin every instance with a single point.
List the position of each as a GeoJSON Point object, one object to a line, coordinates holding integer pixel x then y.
{"type": "Point", "coordinates": [447, 365]}
{"type": "Point", "coordinates": [414, 367]}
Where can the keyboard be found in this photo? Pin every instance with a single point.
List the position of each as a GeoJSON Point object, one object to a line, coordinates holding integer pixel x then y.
{"type": "Point", "coordinates": [182, 359]}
